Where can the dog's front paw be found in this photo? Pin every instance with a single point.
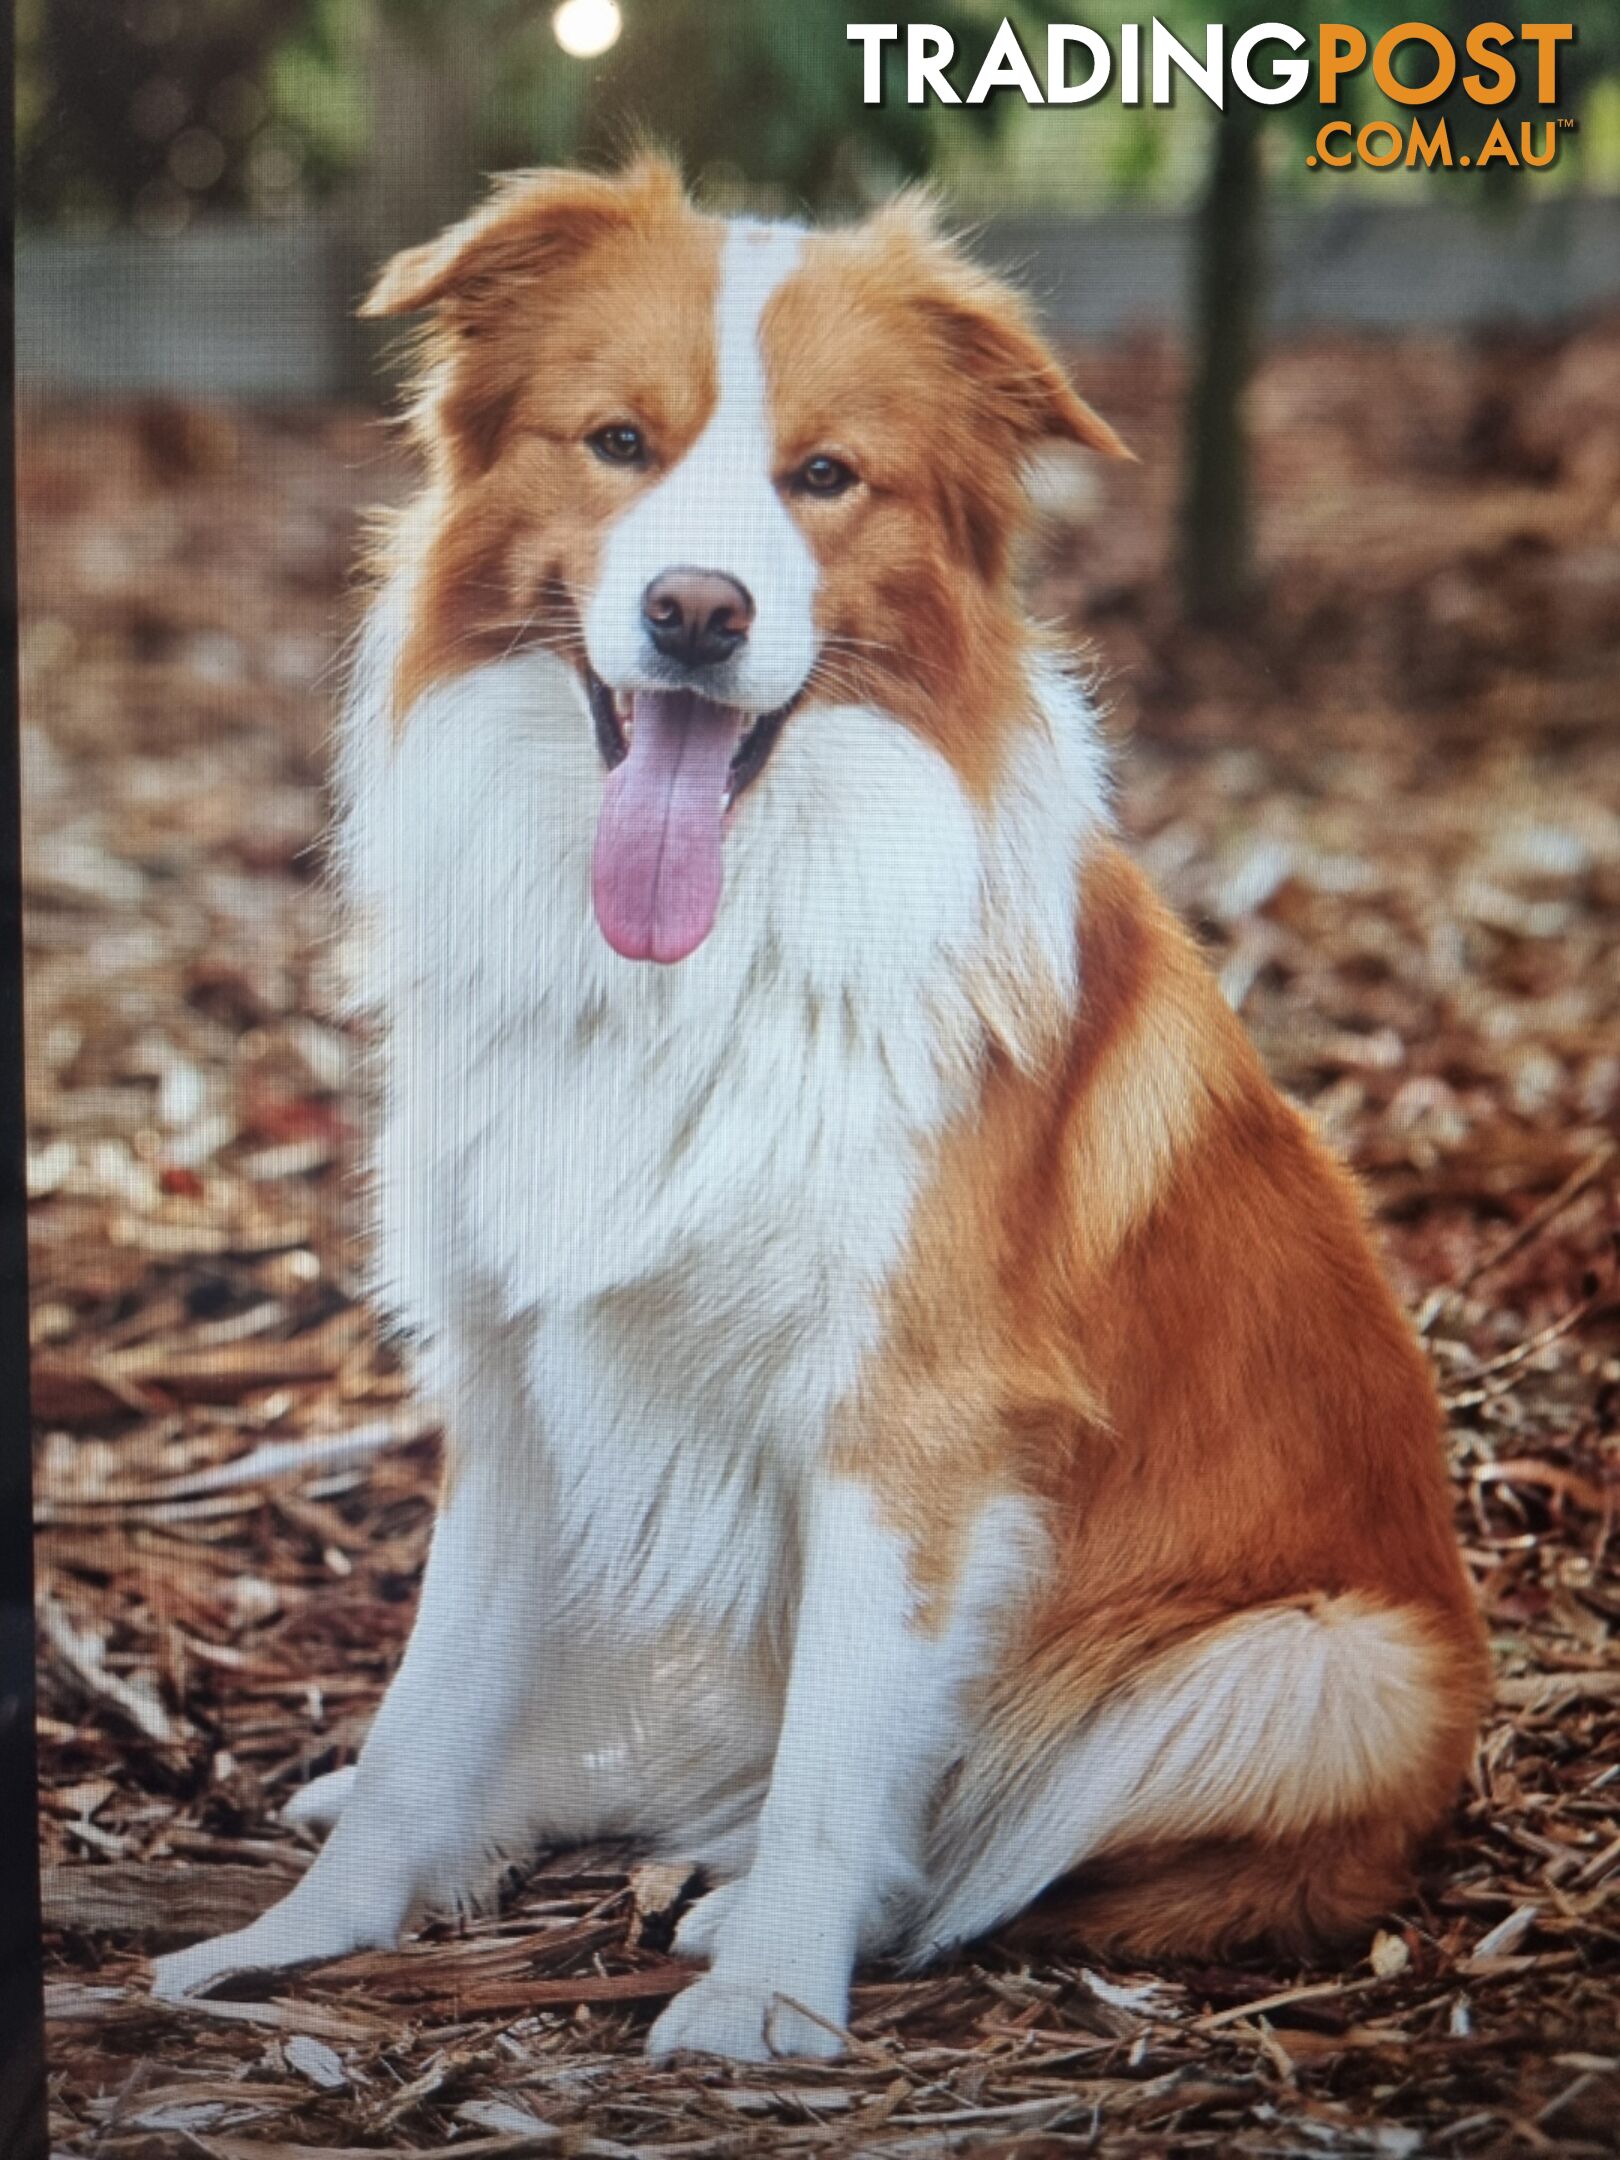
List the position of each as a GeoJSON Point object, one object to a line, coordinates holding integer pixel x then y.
{"type": "Point", "coordinates": [310, 1925]}
{"type": "Point", "coordinates": [746, 2021]}
{"type": "Point", "coordinates": [194, 1971]}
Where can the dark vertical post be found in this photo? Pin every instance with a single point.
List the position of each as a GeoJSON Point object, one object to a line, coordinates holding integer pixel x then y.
{"type": "Point", "coordinates": [421, 172]}
{"type": "Point", "coordinates": [1216, 541]}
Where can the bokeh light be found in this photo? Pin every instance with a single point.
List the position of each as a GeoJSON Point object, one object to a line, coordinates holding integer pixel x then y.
{"type": "Point", "coordinates": [585, 28]}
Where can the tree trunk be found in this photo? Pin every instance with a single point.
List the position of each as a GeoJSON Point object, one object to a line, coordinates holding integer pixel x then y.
{"type": "Point", "coordinates": [422, 170]}
{"type": "Point", "coordinates": [1216, 556]}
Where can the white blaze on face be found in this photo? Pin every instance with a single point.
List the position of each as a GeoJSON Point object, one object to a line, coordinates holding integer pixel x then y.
{"type": "Point", "coordinates": [719, 509]}
{"type": "Point", "coordinates": [658, 866]}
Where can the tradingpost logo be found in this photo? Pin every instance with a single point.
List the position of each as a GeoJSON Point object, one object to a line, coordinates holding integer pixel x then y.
{"type": "Point", "coordinates": [1271, 63]}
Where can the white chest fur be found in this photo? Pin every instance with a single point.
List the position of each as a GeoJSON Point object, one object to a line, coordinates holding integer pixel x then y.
{"type": "Point", "coordinates": [673, 1196]}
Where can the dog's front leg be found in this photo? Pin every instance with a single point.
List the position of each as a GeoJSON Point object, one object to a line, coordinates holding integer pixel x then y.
{"type": "Point", "coordinates": [438, 1800]}
{"type": "Point", "coordinates": [867, 1728]}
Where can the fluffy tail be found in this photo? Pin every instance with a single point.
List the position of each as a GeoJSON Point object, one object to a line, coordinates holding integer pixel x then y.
{"type": "Point", "coordinates": [1266, 1780]}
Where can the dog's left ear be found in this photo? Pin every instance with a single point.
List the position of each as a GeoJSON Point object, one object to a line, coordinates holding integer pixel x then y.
{"type": "Point", "coordinates": [988, 330]}
{"type": "Point", "coordinates": [1000, 348]}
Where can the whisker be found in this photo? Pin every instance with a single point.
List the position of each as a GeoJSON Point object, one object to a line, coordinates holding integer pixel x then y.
{"type": "Point", "coordinates": [843, 639]}
{"type": "Point", "coordinates": [902, 662]}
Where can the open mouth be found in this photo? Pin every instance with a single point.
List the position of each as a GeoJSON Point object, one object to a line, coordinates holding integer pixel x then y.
{"type": "Point", "coordinates": [677, 765]}
{"type": "Point", "coordinates": [613, 712]}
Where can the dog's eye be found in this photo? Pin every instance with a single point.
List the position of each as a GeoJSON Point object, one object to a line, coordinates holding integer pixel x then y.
{"type": "Point", "coordinates": [823, 476]}
{"type": "Point", "coordinates": [619, 444]}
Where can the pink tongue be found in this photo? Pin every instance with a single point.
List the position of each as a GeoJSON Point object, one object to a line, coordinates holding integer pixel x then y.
{"type": "Point", "coordinates": [657, 871]}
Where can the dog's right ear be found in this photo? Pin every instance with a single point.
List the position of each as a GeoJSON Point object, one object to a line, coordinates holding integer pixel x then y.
{"type": "Point", "coordinates": [532, 223]}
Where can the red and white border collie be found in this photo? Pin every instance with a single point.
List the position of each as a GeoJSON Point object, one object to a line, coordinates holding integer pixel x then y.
{"type": "Point", "coordinates": [928, 1435]}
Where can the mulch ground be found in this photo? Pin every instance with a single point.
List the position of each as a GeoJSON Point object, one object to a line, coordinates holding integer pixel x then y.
{"type": "Point", "coordinates": [1391, 805]}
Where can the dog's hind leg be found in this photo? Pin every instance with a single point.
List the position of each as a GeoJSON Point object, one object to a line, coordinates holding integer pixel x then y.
{"type": "Point", "coordinates": [1207, 1781]}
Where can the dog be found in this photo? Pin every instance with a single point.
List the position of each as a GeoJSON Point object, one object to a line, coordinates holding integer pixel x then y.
{"type": "Point", "coordinates": [928, 1441]}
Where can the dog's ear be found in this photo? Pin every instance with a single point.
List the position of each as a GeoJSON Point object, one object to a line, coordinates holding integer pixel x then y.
{"type": "Point", "coordinates": [1000, 348]}
{"type": "Point", "coordinates": [987, 330]}
{"type": "Point", "coordinates": [533, 222]}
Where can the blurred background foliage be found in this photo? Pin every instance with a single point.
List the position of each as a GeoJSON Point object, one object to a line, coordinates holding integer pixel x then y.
{"type": "Point", "coordinates": [386, 114]}
{"type": "Point", "coordinates": [153, 112]}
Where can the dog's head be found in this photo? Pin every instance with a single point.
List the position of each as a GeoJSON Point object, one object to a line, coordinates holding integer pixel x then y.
{"type": "Point", "coordinates": [728, 471]}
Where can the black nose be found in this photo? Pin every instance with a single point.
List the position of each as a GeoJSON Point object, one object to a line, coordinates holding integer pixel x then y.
{"type": "Point", "coordinates": [698, 617]}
